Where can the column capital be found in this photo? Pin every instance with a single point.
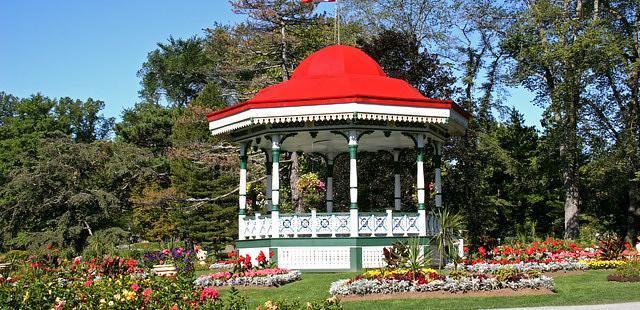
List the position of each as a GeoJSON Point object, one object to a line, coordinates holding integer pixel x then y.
{"type": "Point", "coordinates": [437, 147]}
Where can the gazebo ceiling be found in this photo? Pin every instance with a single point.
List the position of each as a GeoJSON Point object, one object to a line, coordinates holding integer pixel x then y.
{"type": "Point", "coordinates": [339, 83]}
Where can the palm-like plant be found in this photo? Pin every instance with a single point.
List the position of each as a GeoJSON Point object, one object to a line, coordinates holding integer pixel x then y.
{"type": "Point", "coordinates": [449, 231]}
{"type": "Point", "coordinates": [418, 256]}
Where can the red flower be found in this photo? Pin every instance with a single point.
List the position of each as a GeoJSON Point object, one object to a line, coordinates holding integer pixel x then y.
{"type": "Point", "coordinates": [530, 250]}
{"type": "Point", "coordinates": [261, 258]}
{"type": "Point", "coordinates": [573, 245]}
{"type": "Point", "coordinates": [496, 251]}
{"type": "Point", "coordinates": [232, 254]}
{"type": "Point", "coordinates": [271, 254]}
{"type": "Point", "coordinates": [49, 247]}
{"type": "Point", "coordinates": [146, 293]}
{"type": "Point", "coordinates": [209, 293]}
{"type": "Point", "coordinates": [482, 251]}
{"type": "Point", "coordinates": [174, 307]}
{"type": "Point", "coordinates": [131, 263]}
{"type": "Point", "coordinates": [466, 249]}
{"type": "Point", "coordinates": [135, 287]}
{"type": "Point", "coordinates": [88, 283]}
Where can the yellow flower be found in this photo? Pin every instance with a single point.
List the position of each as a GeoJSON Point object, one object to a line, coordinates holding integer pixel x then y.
{"type": "Point", "coordinates": [129, 295]}
{"type": "Point", "coordinates": [26, 296]}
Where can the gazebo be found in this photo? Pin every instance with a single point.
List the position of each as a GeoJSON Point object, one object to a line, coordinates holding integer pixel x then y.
{"type": "Point", "coordinates": [338, 100]}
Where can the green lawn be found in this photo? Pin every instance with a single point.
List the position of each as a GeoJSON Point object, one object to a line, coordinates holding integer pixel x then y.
{"type": "Point", "coordinates": [589, 287]}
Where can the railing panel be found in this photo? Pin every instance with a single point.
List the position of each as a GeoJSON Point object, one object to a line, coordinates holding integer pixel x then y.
{"type": "Point", "coordinates": [338, 225]}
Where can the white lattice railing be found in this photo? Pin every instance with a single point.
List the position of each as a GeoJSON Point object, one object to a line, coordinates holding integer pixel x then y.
{"type": "Point", "coordinates": [312, 225]}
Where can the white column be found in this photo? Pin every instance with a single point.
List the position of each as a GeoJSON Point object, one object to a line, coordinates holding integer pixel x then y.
{"type": "Point", "coordinates": [353, 181]}
{"type": "Point", "coordinates": [314, 223]}
{"type": "Point", "coordinates": [390, 223]}
{"type": "Point", "coordinates": [242, 191]}
{"type": "Point", "coordinates": [422, 213]}
{"type": "Point", "coordinates": [275, 186]}
{"type": "Point", "coordinates": [437, 162]}
{"type": "Point", "coordinates": [397, 198]}
{"type": "Point", "coordinates": [329, 185]}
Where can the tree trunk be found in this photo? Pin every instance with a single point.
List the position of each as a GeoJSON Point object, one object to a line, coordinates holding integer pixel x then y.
{"type": "Point", "coordinates": [571, 202]}
{"type": "Point", "coordinates": [569, 154]}
{"type": "Point", "coordinates": [284, 60]}
{"type": "Point", "coordinates": [296, 201]}
{"type": "Point", "coordinates": [633, 214]}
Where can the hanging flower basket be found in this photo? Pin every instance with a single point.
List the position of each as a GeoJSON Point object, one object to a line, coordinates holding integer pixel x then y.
{"type": "Point", "coordinates": [165, 270]}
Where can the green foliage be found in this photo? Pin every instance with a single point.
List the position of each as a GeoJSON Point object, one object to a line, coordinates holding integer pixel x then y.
{"type": "Point", "coordinates": [70, 191]}
{"type": "Point", "coordinates": [400, 56]}
{"type": "Point", "coordinates": [534, 273]}
{"type": "Point", "coordinates": [104, 242]}
{"type": "Point", "coordinates": [630, 269]}
{"type": "Point", "coordinates": [504, 274]}
{"type": "Point", "coordinates": [147, 125]}
{"type": "Point", "coordinates": [178, 70]}
{"type": "Point", "coordinates": [450, 225]}
{"type": "Point", "coordinates": [396, 256]}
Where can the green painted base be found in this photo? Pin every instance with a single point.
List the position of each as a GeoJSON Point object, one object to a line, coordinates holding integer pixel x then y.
{"type": "Point", "coordinates": [354, 245]}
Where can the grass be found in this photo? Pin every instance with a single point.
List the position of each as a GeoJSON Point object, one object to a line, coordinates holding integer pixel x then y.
{"type": "Point", "coordinates": [589, 287]}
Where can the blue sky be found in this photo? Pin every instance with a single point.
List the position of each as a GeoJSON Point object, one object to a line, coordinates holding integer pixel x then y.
{"type": "Point", "coordinates": [85, 49]}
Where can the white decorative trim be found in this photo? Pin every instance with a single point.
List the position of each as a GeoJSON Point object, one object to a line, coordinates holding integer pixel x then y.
{"type": "Point", "coordinates": [341, 111]}
{"type": "Point", "coordinates": [373, 257]}
{"type": "Point", "coordinates": [303, 118]}
{"type": "Point", "coordinates": [402, 118]}
{"type": "Point", "coordinates": [231, 127]}
{"type": "Point", "coordinates": [319, 258]}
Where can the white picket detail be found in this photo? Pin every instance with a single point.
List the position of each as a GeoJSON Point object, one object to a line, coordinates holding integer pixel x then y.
{"type": "Point", "coordinates": [312, 225]}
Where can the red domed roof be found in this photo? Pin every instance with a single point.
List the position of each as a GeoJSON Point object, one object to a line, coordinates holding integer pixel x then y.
{"type": "Point", "coordinates": [336, 74]}
{"type": "Point", "coordinates": [336, 61]}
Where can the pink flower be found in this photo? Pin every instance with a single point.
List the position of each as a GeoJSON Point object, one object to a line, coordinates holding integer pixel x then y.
{"type": "Point", "coordinates": [209, 293]}
{"type": "Point", "coordinates": [166, 251]}
{"type": "Point", "coordinates": [135, 287]}
{"type": "Point", "coordinates": [146, 293]}
{"type": "Point", "coordinates": [88, 283]}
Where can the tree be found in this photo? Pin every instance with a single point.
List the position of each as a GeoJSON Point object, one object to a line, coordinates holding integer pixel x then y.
{"type": "Point", "coordinates": [70, 191]}
{"type": "Point", "coordinates": [147, 125]}
{"type": "Point", "coordinates": [400, 57]}
{"type": "Point", "coordinates": [614, 104]}
{"type": "Point", "coordinates": [177, 70]}
{"type": "Point", "coordinates": [553, 45]}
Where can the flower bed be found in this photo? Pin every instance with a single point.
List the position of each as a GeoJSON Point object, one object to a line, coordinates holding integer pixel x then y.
{"type": "Point", "coordinates": [628, 272]}
{"type": "Point", "coordinates": [604, 264]}
{"type": "Point", "coordinates": [51, 282]}
{"type": "Point", "coordinates": [222, 264]}
{"type": "Point", "coordinates": [523, 266]}
{"type": "Point", "coordinates": [431, 281]}
{"type": "Point", "coordinates": [261, 277]}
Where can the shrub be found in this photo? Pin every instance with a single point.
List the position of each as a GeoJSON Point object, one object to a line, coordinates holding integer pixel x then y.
{"type": "Point", "coordinates": [611, 245]}
{"type": "Point", "coordinates": [534, 273]}
{"type": "Point", "coordinates": [458, 274]}
{"type": "Point", "coordinates": [628, 270]}
{"type": "Point", "coordinates": [15, 256]}
{"type": "Point", "coordinates": [503, 275]}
